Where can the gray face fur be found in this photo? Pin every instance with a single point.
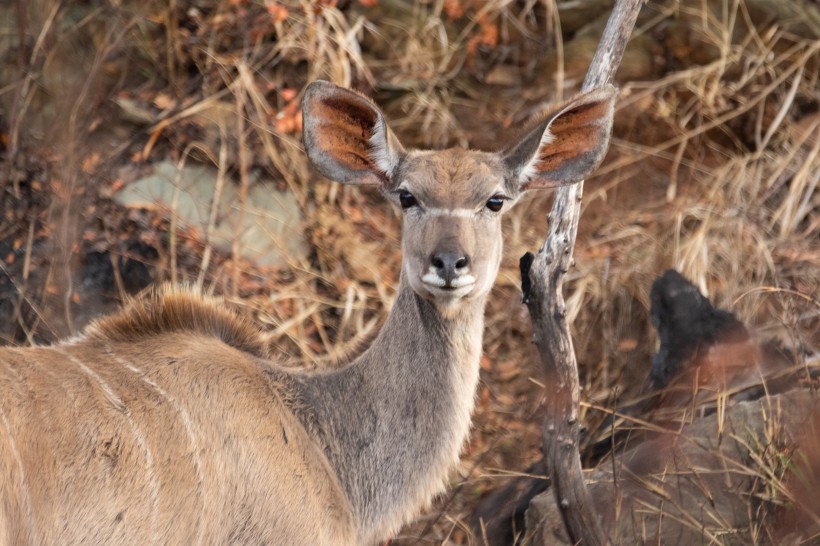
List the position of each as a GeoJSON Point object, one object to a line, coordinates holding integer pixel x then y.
{"type": "Point", "coordinates": [452, 237]}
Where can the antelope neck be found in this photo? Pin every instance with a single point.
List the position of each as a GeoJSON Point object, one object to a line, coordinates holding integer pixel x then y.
{"type": "Point", "coordinates": [393, 422]}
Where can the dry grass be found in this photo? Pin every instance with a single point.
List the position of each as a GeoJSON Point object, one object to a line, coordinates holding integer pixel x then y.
{"type": "Point", "coordinates": [714, 171]}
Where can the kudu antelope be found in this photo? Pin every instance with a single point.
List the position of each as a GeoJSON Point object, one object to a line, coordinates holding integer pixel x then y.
{"type": "Point", "coordinates": [171, 423]}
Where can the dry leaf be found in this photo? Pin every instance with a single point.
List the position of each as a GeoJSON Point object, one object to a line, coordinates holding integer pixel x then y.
{"type": "Point", "coordinates": [627, 344]}
{"type": "Point", "coordinates": [278, 12]}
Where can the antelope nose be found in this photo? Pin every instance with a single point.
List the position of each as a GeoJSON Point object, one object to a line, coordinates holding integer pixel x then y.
{"type": "Point", "coordinates": [449, 265]}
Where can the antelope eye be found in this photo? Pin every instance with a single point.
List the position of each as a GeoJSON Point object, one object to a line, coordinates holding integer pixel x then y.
{"type": "Point", "coordinates": [407, 200]}
{"type": "Point", "coordinates": [495, 203]}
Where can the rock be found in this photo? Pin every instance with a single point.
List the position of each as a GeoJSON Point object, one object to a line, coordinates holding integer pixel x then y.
{"type": "Point", "coordinates": [272, 230]}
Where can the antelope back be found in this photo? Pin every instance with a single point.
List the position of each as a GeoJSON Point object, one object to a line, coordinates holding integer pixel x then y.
{"type": "Point", "coordinates": [161, 426]}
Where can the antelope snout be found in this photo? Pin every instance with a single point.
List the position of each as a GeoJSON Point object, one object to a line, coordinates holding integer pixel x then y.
{"type": "Point", "coordinates": [448, 265]}
{"type": "Point", "coordinates": [449, 270]}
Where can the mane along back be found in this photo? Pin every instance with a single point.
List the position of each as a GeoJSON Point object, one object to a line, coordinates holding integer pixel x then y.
{"type": "Point", "coordinates": [167, 310]}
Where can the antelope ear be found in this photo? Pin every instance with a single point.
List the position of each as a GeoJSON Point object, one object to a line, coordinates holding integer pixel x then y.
{"type": "Point", "coordinates": [566, 144]}
{"type": "Point", "coordinates": [346, 137]}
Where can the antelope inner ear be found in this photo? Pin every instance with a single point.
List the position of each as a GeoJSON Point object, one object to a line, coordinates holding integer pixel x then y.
{"type": "Point", "coordinates": [346, 136]}
{"type": "Point", "coordinates": [566, 143]}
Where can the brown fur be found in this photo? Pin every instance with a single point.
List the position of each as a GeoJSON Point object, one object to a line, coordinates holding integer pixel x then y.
{"type": "Point", "coordinates": [168, 309]}
{"type": "Point", "coordinates": [175, 438]}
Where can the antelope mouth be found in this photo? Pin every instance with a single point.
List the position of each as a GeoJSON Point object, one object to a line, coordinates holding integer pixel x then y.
{"type": "Point", "coordinates": [457, 285]}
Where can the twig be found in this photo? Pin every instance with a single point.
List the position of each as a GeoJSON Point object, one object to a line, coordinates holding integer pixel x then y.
{"type": "Point", "coordinates": [25, 94]}
{"type": "Point", "coordinates": [545, 275]}
{"type": "Point", "coordinates": [244, 183]}
{"type": "Point", "coordinates": [217, 199]}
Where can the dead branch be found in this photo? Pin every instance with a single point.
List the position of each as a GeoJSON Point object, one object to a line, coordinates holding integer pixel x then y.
{"type": "Point", "coordinates": [542, 281]}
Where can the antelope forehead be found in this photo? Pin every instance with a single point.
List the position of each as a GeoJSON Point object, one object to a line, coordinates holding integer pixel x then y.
{"type": "Point", "coordinates": [454, 178]}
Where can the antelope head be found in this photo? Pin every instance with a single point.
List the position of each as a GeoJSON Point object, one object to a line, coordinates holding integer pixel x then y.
{"type": "Point", "coordinates": [452, 200]}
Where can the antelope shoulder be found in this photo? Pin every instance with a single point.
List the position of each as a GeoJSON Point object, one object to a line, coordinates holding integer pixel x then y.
{"type": "Point", "coordinates": [161, 424]}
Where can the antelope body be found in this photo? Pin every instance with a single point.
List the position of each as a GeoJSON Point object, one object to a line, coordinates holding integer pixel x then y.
{"type": "Point", "coordinates": [171, 423]}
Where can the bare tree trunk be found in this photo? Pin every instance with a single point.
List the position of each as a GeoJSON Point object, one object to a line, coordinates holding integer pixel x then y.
{"type": "Point", "coordinates": [542, 280]}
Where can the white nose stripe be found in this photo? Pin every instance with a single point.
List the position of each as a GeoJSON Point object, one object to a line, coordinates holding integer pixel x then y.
{"type": "Point", "coordinates": [459, 213]}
